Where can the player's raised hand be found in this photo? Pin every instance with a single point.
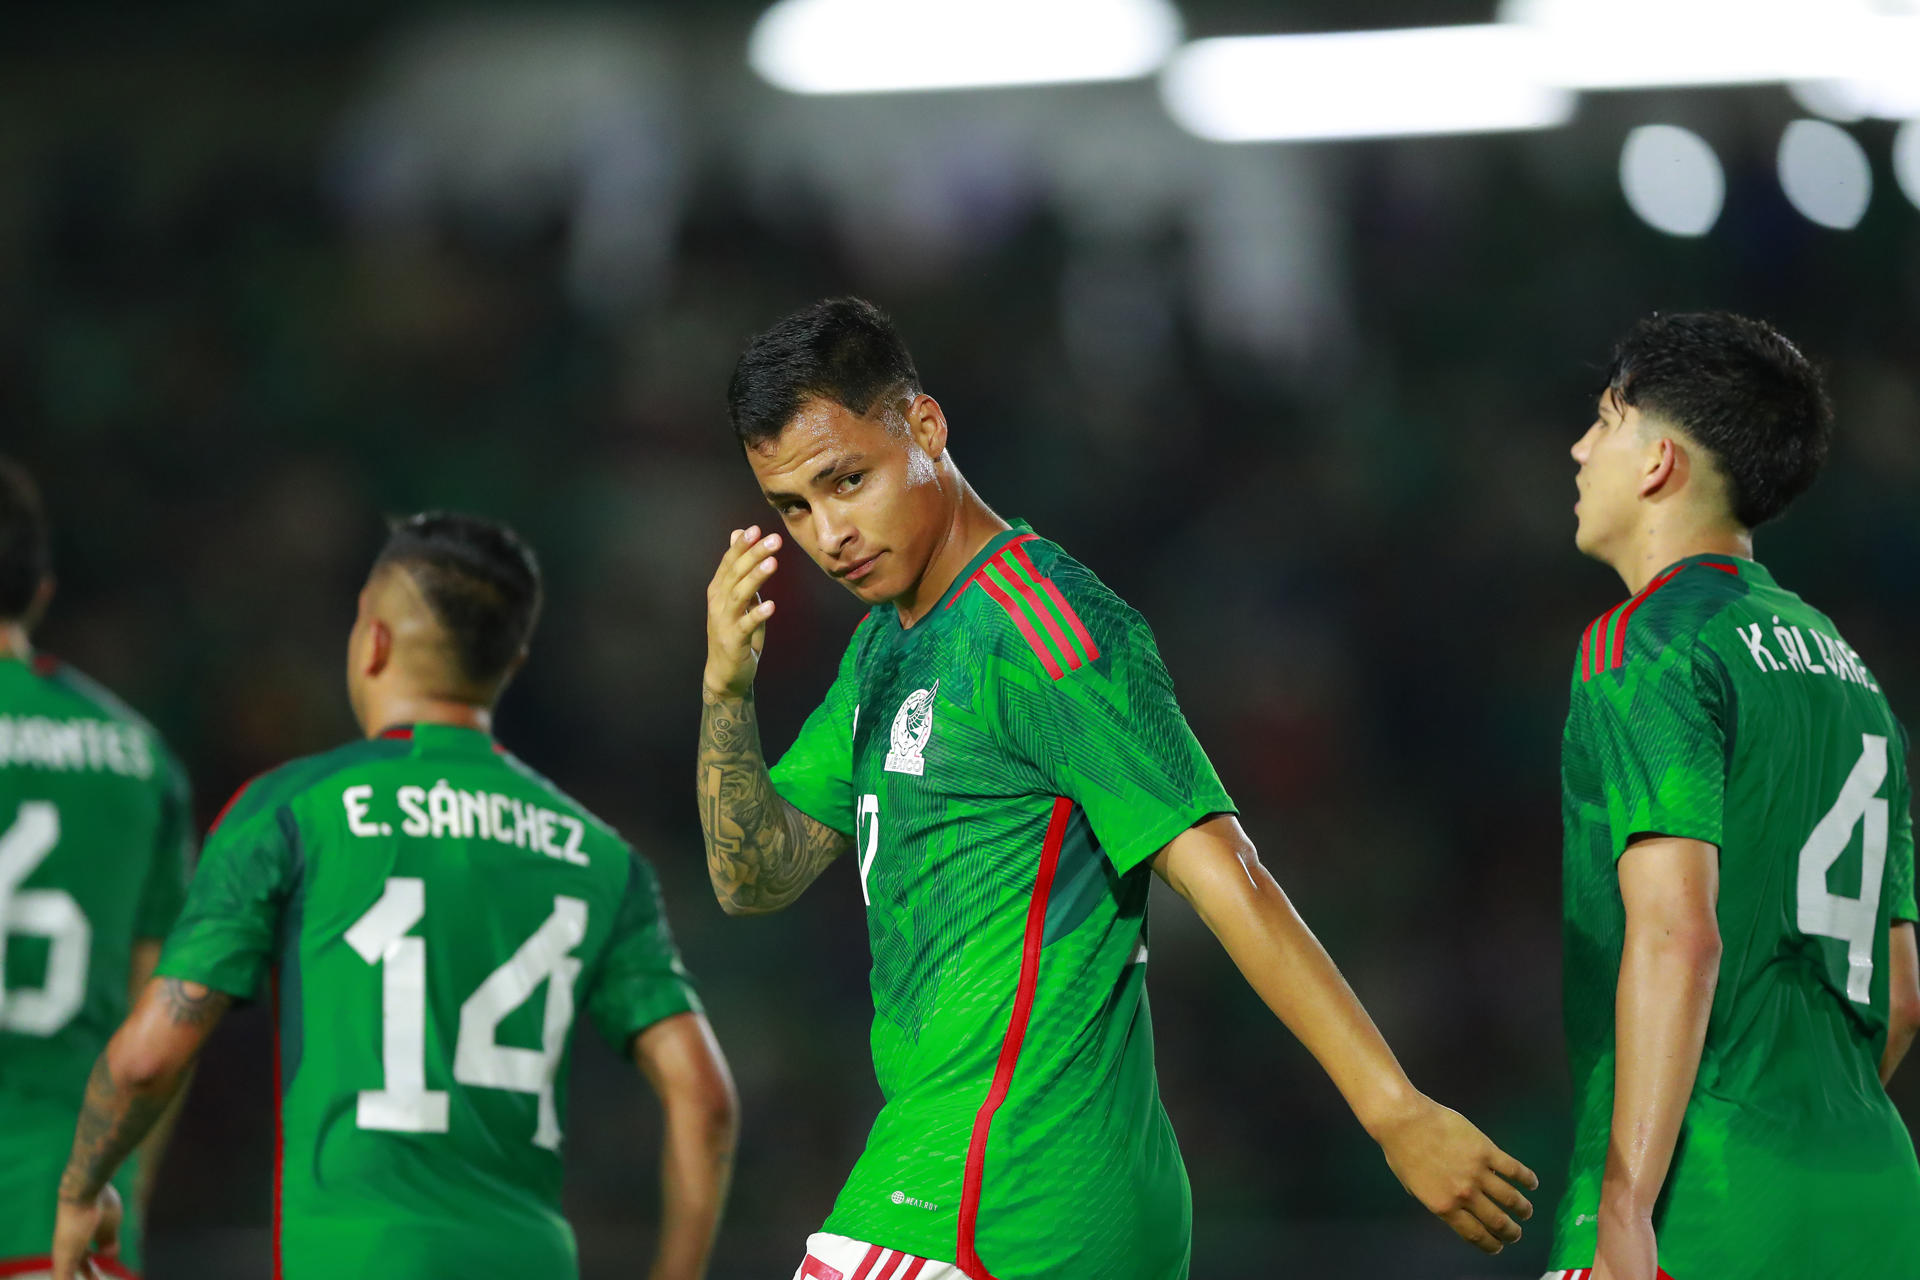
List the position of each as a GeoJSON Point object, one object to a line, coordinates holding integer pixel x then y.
{"type": "Point", "coordinates": [1453, 1169]}
{"type": "Point", "coordinates": [736, 615]}
{"type": "Point", "coordinates": [83, 1230]}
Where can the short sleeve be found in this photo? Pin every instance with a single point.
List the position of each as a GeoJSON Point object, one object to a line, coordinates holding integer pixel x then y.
{"type": "Point", "coordinates": [1656, 729]}
{"type": "Point", "coordinates": [166, 885]}
{"type": "Point", "coordinates": [641, 979]}
{"type": "Point", "coordinates": [1900, 845]}
{"type": "Point", "coordinates": [815, 775]}
{"type": "Point", "coordinates": [1108, 733]}
{"type": "Point", "coordinates": [228, 929]}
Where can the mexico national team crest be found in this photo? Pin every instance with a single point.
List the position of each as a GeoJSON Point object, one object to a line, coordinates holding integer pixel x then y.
{"type": "Point", "coordinates": [912, 728]}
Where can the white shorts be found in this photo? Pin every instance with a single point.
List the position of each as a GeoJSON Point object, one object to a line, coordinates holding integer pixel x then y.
{"type": "Point", "coordinates": [838, 1258]}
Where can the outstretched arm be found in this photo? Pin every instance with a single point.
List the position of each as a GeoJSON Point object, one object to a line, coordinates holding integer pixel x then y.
{"type": "Point", "coordinates": [1440, 1157]}
{"type": "Point", "coordinates": [1903, 986]}
{"type": "Point", "coordinates": [131, 1086]}
{"type": "Point", "coordinates": [682, 1061]}
{"type": "Point", "coordinates": [1669, 966]}
{"type": "Point", "coordinates": [761, 851]}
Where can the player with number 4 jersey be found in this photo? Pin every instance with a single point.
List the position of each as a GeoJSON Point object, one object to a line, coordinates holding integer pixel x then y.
{"type": "Point", "coordinates": [1739, 881]}
{"type": "Point", "coordinates": [95, 827]}
{"type": "Point", "coordinates": [429, 917]}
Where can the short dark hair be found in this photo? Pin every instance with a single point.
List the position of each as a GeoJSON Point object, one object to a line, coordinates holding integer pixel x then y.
{"type": "Point", "coordinates": [26, 553]}
{"type": "Point", "coordinates": [1741, 391]}
{"type": "Point", "coordinates": [481, 580]}
{"type": "Point", "coordinates": [842, 349]}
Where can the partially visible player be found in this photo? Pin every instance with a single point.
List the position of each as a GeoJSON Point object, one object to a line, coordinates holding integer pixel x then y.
{"type": "Point", "coordinates": [434, 914]}
{"type": "Point", "coordinates": [1003, 752]}
{"type": "Point", "coordinates": [1740, 969]}
{"type": "Point", "coordinates": [95, 828]}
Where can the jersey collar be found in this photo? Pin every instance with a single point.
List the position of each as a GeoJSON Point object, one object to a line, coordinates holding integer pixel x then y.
{"type": "Point", "coordinates": [995, 545]}
{"type": "Point", "coordinates": [442, 736]}
{"type": "Point", "coordinates": [1752, 570]}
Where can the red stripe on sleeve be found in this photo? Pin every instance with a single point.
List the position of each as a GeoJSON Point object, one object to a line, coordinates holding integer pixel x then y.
{"type": "Point", "coordinates": [913, 1270]}
{"type": "Point", "coordinates": [969, 1259]}
{"type": "Point", "coordinates": [1618, 654]}
{"type": "Point", "coordinates": [1040, 610]}
{"type": "Point", "coordinates": [1019, 617]}
{"type": "Point", "coordinates": [1066, 610]}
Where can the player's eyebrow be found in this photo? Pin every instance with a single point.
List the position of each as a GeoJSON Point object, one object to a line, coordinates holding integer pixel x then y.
{"type": "Point", "coordinates": [836, 465]}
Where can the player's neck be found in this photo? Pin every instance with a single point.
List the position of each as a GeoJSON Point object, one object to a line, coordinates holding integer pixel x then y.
{"type": "Point", "coordinates": [15, 646]}
{"type": "Point", "coordinates": [425, 709]}
{"type": "Point", "coordinates": [973, 526]}
{"type": "Point", "coordinates": [1668, 541]}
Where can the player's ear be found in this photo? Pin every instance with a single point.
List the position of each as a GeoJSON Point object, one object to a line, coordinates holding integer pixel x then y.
{"type": "Point", "coordinates": [379, 646]}
{"type": "Point", "coordinates": [1662, 460]}
{"type": "Point", "coordinates": [927, 423]}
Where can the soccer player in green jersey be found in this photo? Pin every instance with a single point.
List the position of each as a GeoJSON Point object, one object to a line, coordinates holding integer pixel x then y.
{"type": "Point", "coordinates": [1003, 755]}
{"type": "Point", "coordinates": [1740, 970]}
{"type": "Point", "coordinates": [433, 913]}
{"type": "Point", "coordinates": [95, 826]}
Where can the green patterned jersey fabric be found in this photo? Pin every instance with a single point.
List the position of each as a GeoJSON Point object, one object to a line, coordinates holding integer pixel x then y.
{"type": "Point", "coordinates": [433, 914]}
{"type": "Point", "coordinates": [95, 825]}
{"type": "Point", "coordinates": [1717, 706]}
{"type": "Point", "coordinates": [1006, 767]}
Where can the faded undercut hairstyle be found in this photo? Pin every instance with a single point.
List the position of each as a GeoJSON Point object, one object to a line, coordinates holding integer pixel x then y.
{"type": "Point", "coordinates": [1739, 390]}
{"type": "Point", "coordinates": [843, 349]}
{"type": "Point", "coordinates": [481, 580]}
{"type": "Point", "coordinates": [26, 555]}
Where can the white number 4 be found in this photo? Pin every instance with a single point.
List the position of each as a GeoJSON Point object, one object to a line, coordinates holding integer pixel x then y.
{"type": "Point", "coordinates": [405, 1104]}
{"type": "Point", "coordinates": [1855, 921]}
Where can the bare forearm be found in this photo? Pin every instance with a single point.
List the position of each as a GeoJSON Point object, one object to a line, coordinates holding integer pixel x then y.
{"type": "Point", "coordinates": [114, 1118]}
{"type": "Point", "coordinates": [696, 1167]}
{"type": "Point", "coordinates": [1903, 997]}
{"type": "Point", "coordinates": [1286, 965]}
{"type": "Point", "coordinates": [761, 851]}
{"type": "Point", "coordinates": [1661, 1008]}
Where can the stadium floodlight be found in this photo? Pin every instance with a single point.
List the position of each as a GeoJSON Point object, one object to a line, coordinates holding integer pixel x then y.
{"type": "Point", "coordinates": [1825, 173]}
{"type": "Point", "coordinates": [1672, 179]}
{"type": "Point", "coordinates": [1648, 44]}
{"type": "Point", "coordinates": [1906, 160]}
{"type": "Point", "coordinates": [1360, 84]}
{"type": "Point", "coordinates": [896, 46]}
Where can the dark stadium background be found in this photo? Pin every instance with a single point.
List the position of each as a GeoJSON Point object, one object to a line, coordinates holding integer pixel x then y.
{"type": "Point", "coordinates": [270, 270]}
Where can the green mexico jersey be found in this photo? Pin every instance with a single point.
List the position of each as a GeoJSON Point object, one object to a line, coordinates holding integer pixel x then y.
{"type": "Point", "coordinates": [1006, 767]}
{"type": "Point", "coordinates": [1717, 706]}
{"type": "Point", "coordinates": [433, 914]}
{"type": "Point", "coordinates": [95, 823]}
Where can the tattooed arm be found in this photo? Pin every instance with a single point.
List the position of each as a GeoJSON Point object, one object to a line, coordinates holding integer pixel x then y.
{"type": "Point", "coordinates": [131, 1086]}
{"type": "Point", "coordinates": [761, 851]}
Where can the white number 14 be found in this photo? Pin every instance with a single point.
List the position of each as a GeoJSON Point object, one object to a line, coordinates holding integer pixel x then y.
{"type": "Point", "coordinates": [405, 1104]}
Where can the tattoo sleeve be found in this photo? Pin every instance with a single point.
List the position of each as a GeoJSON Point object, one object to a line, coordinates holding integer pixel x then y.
{"type": "Point", "coordinates": [117, 1114]}
{"type": "Point", "coordinates": [761, 851]}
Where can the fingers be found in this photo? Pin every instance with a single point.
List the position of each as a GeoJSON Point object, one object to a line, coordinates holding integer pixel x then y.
{"type": "Point", "coordinates": [1513, 1171]}
{"type": "Point", "coordinates": [1468, 1228]}
{"type": "Point", "coordinates": [753, 578]}
{"type": "Point", "coordinates": [1494, 1219]}
{"type": "Point", "coordinates": [1508, 1197]}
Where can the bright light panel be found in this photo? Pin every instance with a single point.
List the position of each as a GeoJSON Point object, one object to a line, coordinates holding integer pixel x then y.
{"type": "Point", "coordinates": [1906, 160]}
{"type": "Point", "coordinates": [1434, 80]}
{"type": "Point", "coordinates": [1645, 44]}
{"type": "Point", "coordinates": [882, 46]}
{"type": "Point", "coordinates": [1672, 179]}
{"type": "Point", "coordinates": [1825, 173]}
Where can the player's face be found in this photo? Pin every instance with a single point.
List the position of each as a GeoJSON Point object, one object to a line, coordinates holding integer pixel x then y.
{"type": "Point", "coordinates": [1611, 456]}
{"type": "Point", "coordinates": [860, 494]}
